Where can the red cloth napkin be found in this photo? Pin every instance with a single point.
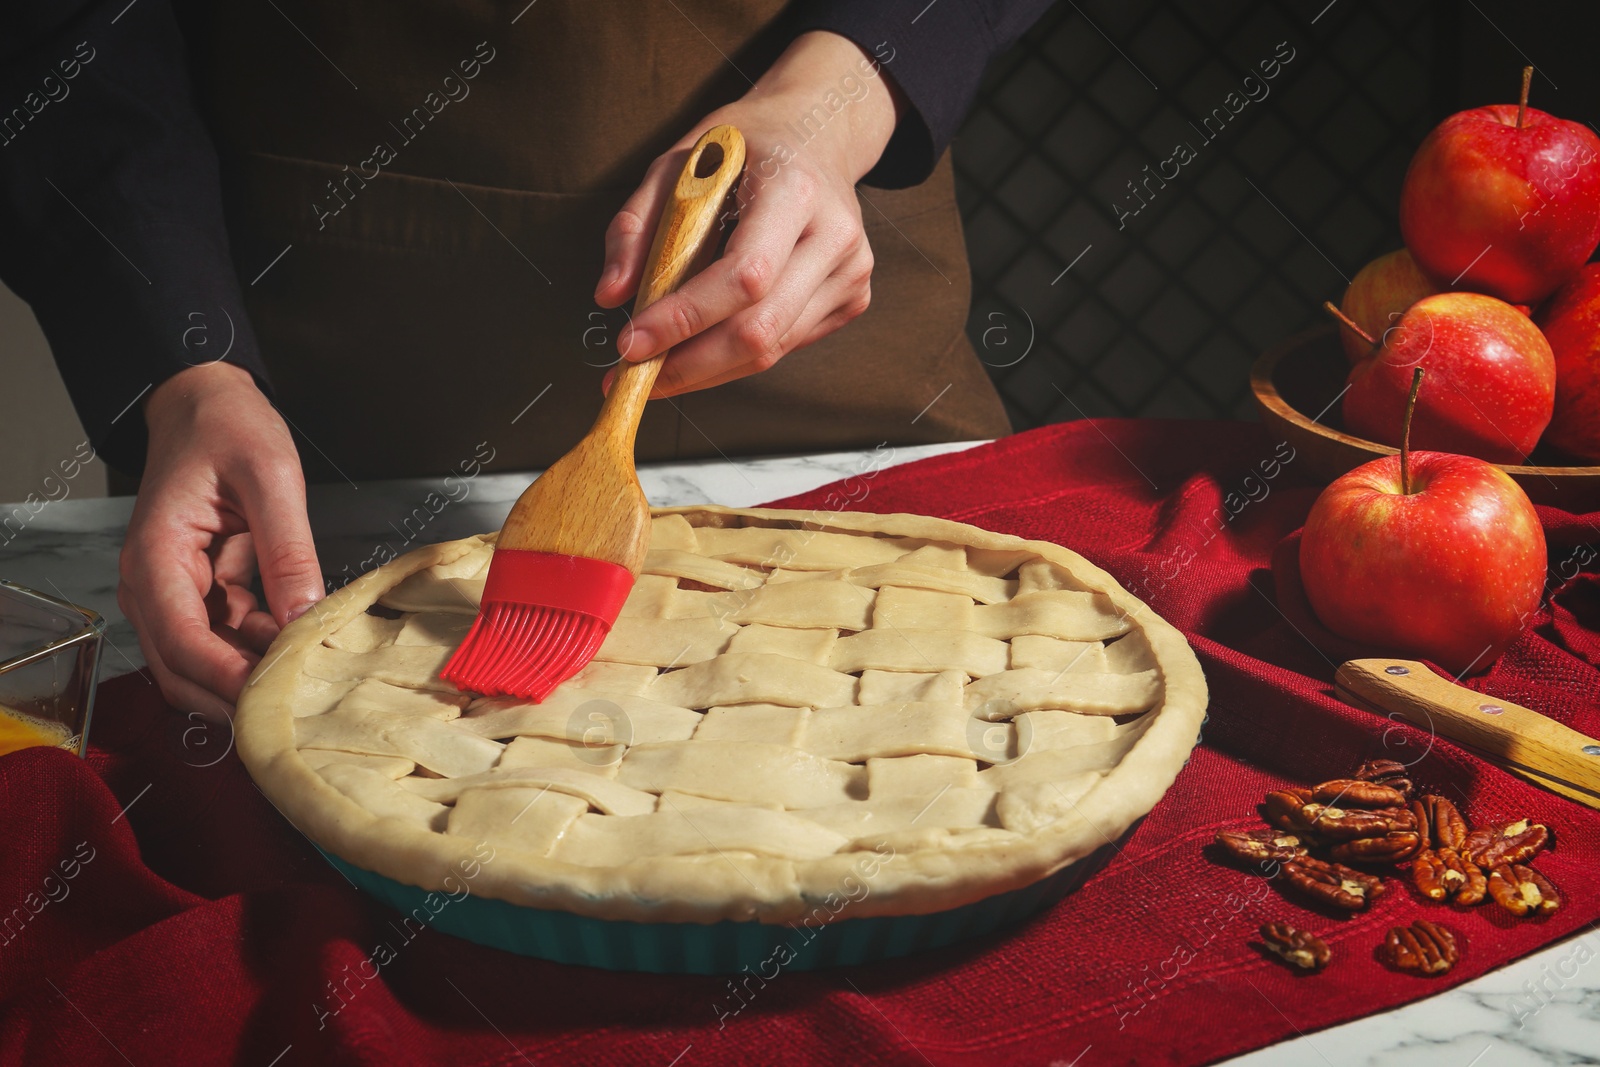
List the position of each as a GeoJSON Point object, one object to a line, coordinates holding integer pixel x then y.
{"type": "Point", "coordinates": [160, 911]}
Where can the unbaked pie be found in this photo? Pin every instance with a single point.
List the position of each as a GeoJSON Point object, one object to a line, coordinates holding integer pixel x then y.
{"type": "Point", "coordinates": [783, 692]}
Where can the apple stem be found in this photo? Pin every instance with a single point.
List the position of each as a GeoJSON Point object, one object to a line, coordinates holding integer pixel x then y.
{"type": "Point", "coordinates": [1405, 434]}
{"type": "Point", "coordinates": [1348, 323]}
{"type": "Point", "coordinates": [1522, 105]}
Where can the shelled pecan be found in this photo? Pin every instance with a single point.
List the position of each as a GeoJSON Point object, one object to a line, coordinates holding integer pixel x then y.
{"type": "Point", "coordinates": [1516, 842]}
{"type": "Point", "coordinates": [1298, 948]}
{"type": "Point", "coordinates": [1282, 807]}
{"type": "Point", "coordinates": [1355, 793]}
{"type": "Point", "coordinates": [1256, 846]}
{"type": "Point", "coordinates": [1396, 847]}
{"type": "Point", "coordinates": [1443, 873]}
{"type": "Point", "coordinates": [1431, 875]}
{"type": "Point", "coordinates": [1521, 890]}
{"type": "Point", "coordinates": [1476, 888]}
{"type": "Point", "coordinates": [1439, 822]}
{"type": "Point", "coordinates": [1333, 884]}
{"type": "Point", "coordinates": [1423, 948]}
{"type": "Point", "coordinates": [1392, 773]}
{"type": "Point", "coordinates": [1347, 824]}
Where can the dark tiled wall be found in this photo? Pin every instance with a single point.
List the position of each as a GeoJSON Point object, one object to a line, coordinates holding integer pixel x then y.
{"type": "Point", "coordinates": [1161, 312]}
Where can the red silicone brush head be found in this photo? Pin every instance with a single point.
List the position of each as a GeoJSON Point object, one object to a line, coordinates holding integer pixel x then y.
{"type": "Point", "coordinates": [543, 617]}
{"type": "Point", "coordinates": [523, 651]}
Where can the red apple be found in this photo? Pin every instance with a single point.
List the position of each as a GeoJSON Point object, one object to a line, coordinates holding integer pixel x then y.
{"type": "Point", "coordinates": [1378, 295]}
{"type": "Point", "coordinates": [1503, 200]}
{"type": "Point", "coordinates": [1571, 323]}
{"type": "Point", "coordinates": [1491, 379]}
{"type": "Point", "coordinates": [1427, 554]}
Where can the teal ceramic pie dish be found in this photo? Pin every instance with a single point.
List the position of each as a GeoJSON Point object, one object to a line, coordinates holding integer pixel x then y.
{"type": "Point", "coordinates": [715, 948]}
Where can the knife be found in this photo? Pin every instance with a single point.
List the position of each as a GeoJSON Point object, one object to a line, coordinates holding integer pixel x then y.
{"type": "Point", "coordinates": [1531, 746]}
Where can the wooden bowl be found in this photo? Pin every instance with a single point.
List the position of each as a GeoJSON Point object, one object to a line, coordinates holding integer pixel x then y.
{"type": "Point", "coordinates": [1298, 386]}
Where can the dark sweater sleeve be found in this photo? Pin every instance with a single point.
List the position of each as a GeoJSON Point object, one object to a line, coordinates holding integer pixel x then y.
{"type": "Point", "coordinates": [936, 53]}
{"type": "Point", "coordinates": [111, 224]}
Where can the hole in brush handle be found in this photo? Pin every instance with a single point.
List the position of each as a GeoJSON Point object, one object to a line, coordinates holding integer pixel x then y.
{"type": "Point", "coordinates": [709, 161]}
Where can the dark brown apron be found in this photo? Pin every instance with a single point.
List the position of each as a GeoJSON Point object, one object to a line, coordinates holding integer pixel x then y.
{"type": "Point", "coordinates": [419, 192]}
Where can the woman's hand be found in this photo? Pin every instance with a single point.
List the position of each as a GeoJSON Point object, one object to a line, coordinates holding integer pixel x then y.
{"type": "Point", "coordinates": [222, 490]}
{"type": "Point", "coordinates": [797, 266]}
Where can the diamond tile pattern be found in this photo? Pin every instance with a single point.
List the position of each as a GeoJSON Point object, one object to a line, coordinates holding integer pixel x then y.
{"type": "Point", "coordinates": [1292, 186]}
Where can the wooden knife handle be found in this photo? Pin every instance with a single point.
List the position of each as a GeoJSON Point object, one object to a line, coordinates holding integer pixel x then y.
{"type": "Point", "coordinates": [688, 221]}
{"type": "Point", "coordinates": [1504, 731]}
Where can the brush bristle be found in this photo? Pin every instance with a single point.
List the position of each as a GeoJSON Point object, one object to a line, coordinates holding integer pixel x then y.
{"type": "Point", "coordinates": [524, 650]}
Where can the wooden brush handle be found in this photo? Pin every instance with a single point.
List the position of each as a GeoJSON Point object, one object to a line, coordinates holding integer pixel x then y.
{"type": "Point", "coordinates": [589, 502]}
{"type": "Point", "coordinates": [1564, 760]}
{"type": "Point", "coordinates": [683, 235]}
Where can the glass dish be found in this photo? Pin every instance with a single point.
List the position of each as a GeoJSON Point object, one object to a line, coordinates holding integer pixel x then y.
{"type": "Point", "coordinates": [49, 666]}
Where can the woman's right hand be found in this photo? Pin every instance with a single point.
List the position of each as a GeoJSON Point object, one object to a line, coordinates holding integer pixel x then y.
{"type": "Point", "coordinates": [222, 492]}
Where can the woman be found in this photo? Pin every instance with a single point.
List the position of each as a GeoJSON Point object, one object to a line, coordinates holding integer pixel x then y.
{"type": "Point", "coordinates": [386, 264]}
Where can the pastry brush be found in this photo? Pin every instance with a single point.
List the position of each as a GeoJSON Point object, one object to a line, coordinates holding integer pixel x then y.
{"type": "Point", "coordinates": [576, 539]}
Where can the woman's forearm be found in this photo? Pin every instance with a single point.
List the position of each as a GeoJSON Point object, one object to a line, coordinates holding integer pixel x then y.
{"type": "Point", "coordinates": [839, 97]}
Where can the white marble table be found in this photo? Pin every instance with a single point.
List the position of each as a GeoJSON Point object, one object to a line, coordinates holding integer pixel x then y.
{"type": "Point", "coordinates": [1544, 1009]}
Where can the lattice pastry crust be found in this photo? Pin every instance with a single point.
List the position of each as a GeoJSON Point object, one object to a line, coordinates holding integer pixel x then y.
{"type": "Point", "coordinates": [783, 693]}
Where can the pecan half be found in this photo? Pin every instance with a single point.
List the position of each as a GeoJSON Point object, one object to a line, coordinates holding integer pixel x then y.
{"type": "Point", "coordinates": [1298, 948]}
{"type": "Point", "coordinates": [1333, 884]}
{"type": "Point", "coordinates": [1347, 824]}
{"type": "Point", "coordinates": [1394, 847]}
{"type": "Point", "coordinates": [1430, 875]}
{"type": "Point", "coordinates": [1392, 773]}
{"type": "Point", "coordinates": [1281, 808]}
{"type": "Point", "coordinates": [1476, 888]}
{"type": "Point", "coordinates": [1255, 846]}
{"type": "Point", "coordinates": [1439, 822]}
{"type": "Point", "coordinates": [1419, 812]}
{"type": "Point", "coordinates": [1355, 793]}
{"type": "Point", "coordinates": [1423, 948]}
{"type": "Point", "coordinates": [1516, 842]}
{"type": "Point", "coordinates": [1443, 873]}
{"type": "Point", "coordinates": [1522, 890]}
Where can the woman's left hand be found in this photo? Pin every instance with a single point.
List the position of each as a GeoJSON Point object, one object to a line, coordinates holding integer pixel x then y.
{"type": "Point", "coordinates": [798, 265]}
